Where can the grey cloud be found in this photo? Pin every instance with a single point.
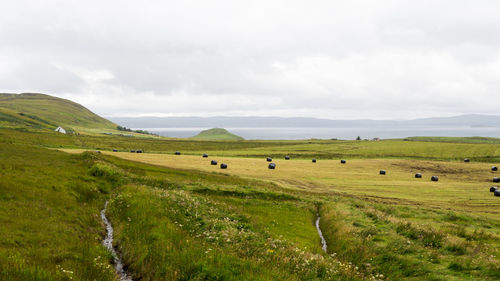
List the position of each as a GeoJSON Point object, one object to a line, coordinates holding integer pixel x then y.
{"type": "Point", "coordinates": [338, 59]}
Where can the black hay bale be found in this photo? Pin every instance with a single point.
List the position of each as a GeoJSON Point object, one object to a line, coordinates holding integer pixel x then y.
{"type": "Point", "coordinates": [466, 160]}
{"type": "Point", "coordinates": [434, 178]}
{"type": "Point", "coordinates": [497, 192]}
{"type": "Point", "coordinates": [314, 160]}
{"type": "Point", "coordinates": [223, 166]}
{"type": "Point", "coordinates": [98, 151]}
{"type": "Point", "coordinates": [287, 157]}
{"type": "Point", "coordinates": [272, 166]}
{"type": "Point", "coordinates": [493, 188]}
{"type": "Point", "coordinates": [494, 168]}
{"type": "Point", "coordinates": [115, 150]}
{"type": "Point", "coordinates": [269, 159]}
{"type": "Point", "coordinates": [418, 175]}
{"type": "Point", "coordinates": [496, 179]}
{"type": "Point", "coordinates": [205, 155]}
{"type": "Point", "coordinates": [213, 162]}
{"type": "Point", "coordinates": [133, 151]}
{"type": "Point", "coordinates": [177, 153]}
{"type": "Point", "coordinates": [382, 172]}
{"type": "Point", "coordinates": [343, 161]}
{"type": "Point", "coordinates": [139, 151]}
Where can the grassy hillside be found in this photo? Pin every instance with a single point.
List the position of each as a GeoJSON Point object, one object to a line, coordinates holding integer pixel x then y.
{"type": "Point", "coordinates": [216, 134]}
{"type": "Point", "coordinates": [177, 217]}
{"type": "Point", "coordinates": [457, 139]}
{"type": "Point", "coordinates": [44, 111]}
{"type": "Point", "coordinates": [49, 206]}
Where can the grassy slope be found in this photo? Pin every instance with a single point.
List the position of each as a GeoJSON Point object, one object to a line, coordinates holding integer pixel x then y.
{"type": "Point", "coordinates": [400, 241]}
{"type": "Point", "coordinates": [51, 111]}
{"type": "Point", "coordinates": [49, 205]}
{"type": "Point", "coordinates": [216, 134]}
{"type": "Point", "coordinates": [457, 139]}
{"type": "Point", "coordinates": [210, 225]}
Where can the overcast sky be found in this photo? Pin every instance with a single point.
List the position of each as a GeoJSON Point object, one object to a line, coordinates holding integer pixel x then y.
{"type": "Point", "coordinates": [329, 59]}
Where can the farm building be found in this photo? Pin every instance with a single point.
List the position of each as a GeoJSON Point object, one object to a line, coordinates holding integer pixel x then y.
{"type": "Point", "coordinates": [60, 130]}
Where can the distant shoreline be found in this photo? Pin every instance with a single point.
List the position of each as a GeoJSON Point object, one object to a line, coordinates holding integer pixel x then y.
{"type": "Point", "coordinates": [351, 133]}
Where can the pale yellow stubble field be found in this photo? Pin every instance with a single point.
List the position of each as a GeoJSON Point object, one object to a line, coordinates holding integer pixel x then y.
{"type": "Point", "coordinates": [461, 186]}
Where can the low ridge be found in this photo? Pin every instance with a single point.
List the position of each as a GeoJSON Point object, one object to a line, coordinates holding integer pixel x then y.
{"type": "Point", "coordinates": [217, 134]}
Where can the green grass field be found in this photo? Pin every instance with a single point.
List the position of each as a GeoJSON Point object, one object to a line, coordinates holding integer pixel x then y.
{"type": "Point", "coordinates": [176, 217]}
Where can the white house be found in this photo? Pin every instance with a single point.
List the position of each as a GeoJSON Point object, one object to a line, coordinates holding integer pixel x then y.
{"type": "Point", "coordinates": [60, 130]}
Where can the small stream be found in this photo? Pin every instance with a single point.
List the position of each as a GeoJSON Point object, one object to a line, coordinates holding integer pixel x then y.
{"type": "Point", "coordinates": [323, 241]}
{"type": "Point", "coordinates": [108, 243]}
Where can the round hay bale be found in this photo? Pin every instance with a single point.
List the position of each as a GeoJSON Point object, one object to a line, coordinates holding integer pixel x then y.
{"type": "Point", "coordinates": [223, 166]}
{"type": "Point", "coordinates": [287, 157]}
{"type": "Point", "coordinates": [98, 151]}
{"type": "Point", "coordinates": [418, 175]}
{"type": "Point", "coordinates": [115, 150]}
{"type": "Point", "coordinates": [434, 178]}
{"type": "Point", "coordinates": [343, 161]}
{"type": "Point", "coordinates": [493, 188]}
{"type": "Point", "coordinates": [177, 153]}
{"type": "Point", "coordinates": [213, 162]}
{"type": "Point", "coordinates": [497, 192]}
{"type": "Point", "coordinates": [269, 159]}
{"type": "Point", "coordinates": [382, 172]}
{"type": "Point", "coordinates": [272, 166]}
{"type": "Point", "coordinates": [133, 151]}
{"type": "Point", "coordinates": [139, 151]}
{"type": "Point", "coordinates": [494, 168]}
{"type": "Point", "coordinates": [205, 155]}
{"type": "Point", "coordinates": [495, 179]}
{"type": "Point", "coordinates": [466, 160]}
{"type": "Point", "coordinates": [314, 160]}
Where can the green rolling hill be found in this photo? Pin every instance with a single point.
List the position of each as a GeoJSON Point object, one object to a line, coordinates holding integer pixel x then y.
{"type": "Point", "coordinates": [44, 111]}
{"type": "Point", "coordinates": [216, 134]}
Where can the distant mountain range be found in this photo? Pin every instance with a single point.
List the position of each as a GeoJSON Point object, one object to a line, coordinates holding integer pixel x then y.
{"type": "Point", "coordinates": [472, 120]}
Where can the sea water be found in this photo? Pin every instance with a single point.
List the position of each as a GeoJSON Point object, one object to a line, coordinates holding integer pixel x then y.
{"type": "Point", "coordinates": [295, 133]}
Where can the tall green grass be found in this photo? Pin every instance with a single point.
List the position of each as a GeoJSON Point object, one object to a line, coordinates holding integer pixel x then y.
{"type": "Point", "coordinates": [49, 206]}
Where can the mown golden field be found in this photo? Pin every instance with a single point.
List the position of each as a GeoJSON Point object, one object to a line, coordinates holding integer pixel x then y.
{"type": "Point", "coordinates": [461, 186]}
